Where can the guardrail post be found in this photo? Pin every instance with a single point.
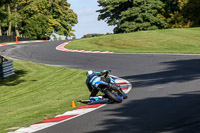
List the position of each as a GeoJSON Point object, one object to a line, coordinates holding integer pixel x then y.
{"type": "Point", "coordinates": [6, 67]}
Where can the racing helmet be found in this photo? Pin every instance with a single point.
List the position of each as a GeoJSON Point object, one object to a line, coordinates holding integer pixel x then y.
{"type": "Point", "coordinates": [89, 73]}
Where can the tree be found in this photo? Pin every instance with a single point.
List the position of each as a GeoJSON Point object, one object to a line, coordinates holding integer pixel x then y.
{"type": "Point", "coordinates": [10, 18]}
{"type": "Point", "coordinates": [63, 18]}
{"type": "Point", "coordinates": [174, 14]}
{"type": "Point", "coordinates": [170, 7]}
{"type": "Point", "coordinates": [16, 17]}
{"type": "Point", "coordinates": [2, 2]}
{"type": "Point", "coordinates": [3, 22]}
{"type": "Point", "coordinates": [132, 15]}
{"type": "Point", "coordinates": [182, 13]}
{"type": "Point", "coordinates": [54, 15]}
{"type": "Point", "coordinates": [92, 35]}
{"type": "Point", "coordinates": [5, 11]}
{"type": "Point", "coordinates": [35, 18]}
{"type": "Point", "coordinates": [36, 27]}
{"type": "Point", "coordinates": [190, 12]}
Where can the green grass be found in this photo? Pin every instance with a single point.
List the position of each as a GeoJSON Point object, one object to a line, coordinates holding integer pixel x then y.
{"type": "Point", "coordinates": [37, 92]}
{"type": "Point", "coordinates": [183, 41]}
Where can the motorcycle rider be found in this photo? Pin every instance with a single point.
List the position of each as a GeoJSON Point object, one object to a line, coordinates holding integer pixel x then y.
{"type": "Point", "coordinates": [91, 76]}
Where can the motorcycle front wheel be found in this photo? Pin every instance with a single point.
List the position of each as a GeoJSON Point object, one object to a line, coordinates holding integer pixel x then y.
{"type": "Point", "coordinates": [113, 97]}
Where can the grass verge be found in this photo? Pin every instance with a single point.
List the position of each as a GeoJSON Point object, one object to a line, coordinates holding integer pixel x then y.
{"type": "Point", "coordinates": [37, 92]}
{"type": "Point", "coordinates": [182, 41]}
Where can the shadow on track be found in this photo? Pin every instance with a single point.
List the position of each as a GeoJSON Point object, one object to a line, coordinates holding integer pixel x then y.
{"type": "Point", "coordinates": [152, 115]}
{"type": "Point", "coordinates": [177, 71]}
{"type": "Point", "coordinates": [14, 79]}
{"type": "Point", "coordinates": [179, 112]}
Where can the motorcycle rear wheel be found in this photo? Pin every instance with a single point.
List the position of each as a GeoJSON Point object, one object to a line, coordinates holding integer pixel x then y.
{"type": "Point", "coordinates": [112, 96]}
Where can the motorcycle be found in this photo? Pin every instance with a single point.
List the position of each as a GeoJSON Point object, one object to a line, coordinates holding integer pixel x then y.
{"type": "Point", "coordinates": [111, 89]}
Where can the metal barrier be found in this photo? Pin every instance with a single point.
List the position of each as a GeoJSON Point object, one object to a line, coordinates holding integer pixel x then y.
{"type": "Point", "coordinates": [13, 39]}
{"type": "Point", "coordinates": [6, 68]}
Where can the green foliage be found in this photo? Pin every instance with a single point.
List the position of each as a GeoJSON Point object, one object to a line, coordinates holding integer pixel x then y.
{"type": "Point", "coordinates": [35, 18]}
{"type": "Point", "coordinates": [3, 2]}
{"type": "Point", "coordinates": [174, 16]}
{"type": "Point", "coordinates": [59, 38]}
{"type": "Point", "coordinates": [54, 37]}
{"type": "Point", "coordinates": [9, 16]}
{"type": "Point", "coordinates": [3, 14]}
{"type": "Point", "coordinates": [191, 11]}
{"type": "Point", "coordinates": [137, 15]}
{"type": "Point", "coordinates": [130, 16]}
{"type": "Point", "coordinates": [57, 17]}
{"type": "Point", "coordinates": [182, 13]}
{"type": "Point", "coordinates": [36, 27]}
{"type": "Point", "coordinates": [92, 35]}
{"type": "Point", "coordinates": [170, 7]}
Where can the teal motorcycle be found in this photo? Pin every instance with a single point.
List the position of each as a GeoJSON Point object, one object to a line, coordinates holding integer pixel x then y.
{"type": "Point", "coordinates": [111, 89]}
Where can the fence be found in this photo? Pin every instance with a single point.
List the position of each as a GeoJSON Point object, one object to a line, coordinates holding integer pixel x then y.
{"type": "Point", "coordinates": [12, 39]}
{"type": "Point", "coordinates": [6, 67]}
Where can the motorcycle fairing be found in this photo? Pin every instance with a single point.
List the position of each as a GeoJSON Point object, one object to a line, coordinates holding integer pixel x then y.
{"type": "Point", "coordinates": [97, 81]}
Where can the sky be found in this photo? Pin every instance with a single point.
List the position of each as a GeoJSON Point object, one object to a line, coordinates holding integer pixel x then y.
{"type": "Point", "coordinates": [88, 18]}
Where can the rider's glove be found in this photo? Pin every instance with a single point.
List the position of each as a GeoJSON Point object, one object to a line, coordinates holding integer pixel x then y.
{"type": "Point", "coordinates": [105, 72]}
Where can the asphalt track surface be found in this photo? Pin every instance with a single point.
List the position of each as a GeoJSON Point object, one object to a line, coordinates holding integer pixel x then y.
{"type": "Point", "coordinates": [165, 95]}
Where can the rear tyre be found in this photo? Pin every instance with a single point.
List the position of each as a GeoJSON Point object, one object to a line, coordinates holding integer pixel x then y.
{"type": "Point", "coordinates": [112, 96]}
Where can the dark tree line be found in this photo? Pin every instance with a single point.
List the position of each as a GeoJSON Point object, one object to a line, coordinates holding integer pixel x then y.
{"type": "Point", "coordinates": [137, 15]}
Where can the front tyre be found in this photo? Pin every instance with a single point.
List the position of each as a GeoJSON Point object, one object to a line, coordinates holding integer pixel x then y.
{"type": "Point", "coordinates": [113, 97]}
{"type": "Point", "coordinates": [125, 96]}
